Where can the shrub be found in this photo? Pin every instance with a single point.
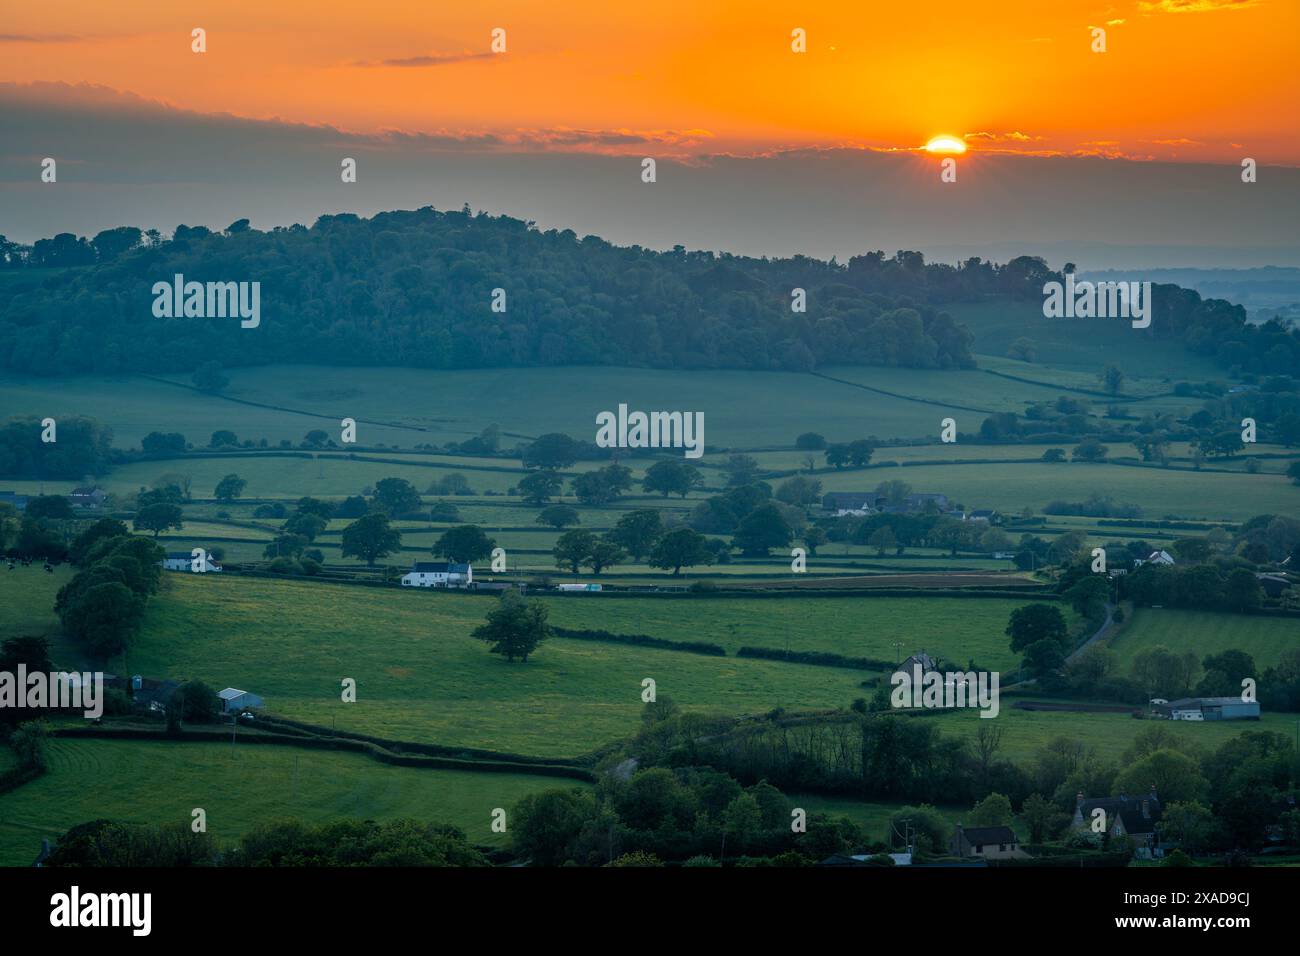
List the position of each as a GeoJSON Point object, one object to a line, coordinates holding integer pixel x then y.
{"type": "Point", "coordinates": [28, 743]}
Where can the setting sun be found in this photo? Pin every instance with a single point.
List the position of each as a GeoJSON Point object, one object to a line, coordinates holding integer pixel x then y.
{"type": "Point", "coordinates": [945, 144]}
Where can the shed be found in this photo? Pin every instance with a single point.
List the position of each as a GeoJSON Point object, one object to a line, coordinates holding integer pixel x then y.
{"type": "Point", "coordinates": [233, 700]}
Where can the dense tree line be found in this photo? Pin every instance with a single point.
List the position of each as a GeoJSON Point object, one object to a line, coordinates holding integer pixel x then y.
{"type": "Point", "coordinates": [103, 605]}
{"type": "Point", "coordinates": [81, 447]}
{"type": "Point", "coordinates": [415, 288]}
{"type": "Point", "coordinates": [287, 843]}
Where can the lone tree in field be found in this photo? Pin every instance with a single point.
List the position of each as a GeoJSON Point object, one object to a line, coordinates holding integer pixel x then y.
{"type": "Point", "coordinates": [883, 540]}
{"type": "Point", "coordinates": [762, 529]}
{"type": "Point", "coordinates": [637, 531]}
{"type": "Point", "coordinates": [671, 478]}
{"type": "Point", "coordinates": [558, 516]}
{"type": "Point", "coordinates": [397, 496]}
{"type": "Point", "coordinates": [209, 377]}
{"type": "Point", "coordinates": [539, 487]}
{"type": "Point", "coordinates": [229, 488]}
{"type": "Point", "coordinates": [515, 627]}
{"type": "Point", "coordinates": [551, 452]}
{"type": "Point", "coordinates": [679, 549]}
{"type": "Point", "coordinates": [602, 554]}
{"type": "Point", "coordinates": [370, 538]}
{"type": "Point", "coordinates": [464, 544]}
{"type": "Point", "coordinates": [572, 548]}
{"type": "Point", "coordinates": [1036, 622]}
{"type": "Point", "coordinates": [158, 518]}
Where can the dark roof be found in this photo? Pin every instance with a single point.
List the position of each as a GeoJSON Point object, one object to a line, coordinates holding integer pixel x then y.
{"type": "Point", "coordinates": [1128, 809]}
{"type": "Point", "coordinates": [921, 657]}
{"type": "Point", "coordinates": [983, 835]}
{"type": "Point", "coordinates": [439, 567]}
{"type": "Point", "coordinates": [179, 555]}
{"type": "Point", "coordinates": [151, 689]}
{"type": "Point", "coordinates": [1187, 702]}
{"type": "Point", "coordinates": [849, 499]}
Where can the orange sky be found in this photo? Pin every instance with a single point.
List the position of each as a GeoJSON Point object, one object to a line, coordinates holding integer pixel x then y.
{"type": "Point", "coordinates": [1182, 79]}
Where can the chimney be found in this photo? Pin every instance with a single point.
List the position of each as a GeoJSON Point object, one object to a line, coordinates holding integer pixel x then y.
{"type": "Point", "coordinates": [1078, 800]}
{"type": "Point", "coordinates": [1146, 809]}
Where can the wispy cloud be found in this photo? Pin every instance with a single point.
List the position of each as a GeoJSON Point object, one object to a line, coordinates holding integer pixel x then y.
{"type": "Point", "coordinates": [1015, 136]}
{"type": "Point", "coordinates": [424, 60]}
{"type": "Point", "coordinates": [1194, 6]}
{"type": "Point", "coordinates": [39, 38]}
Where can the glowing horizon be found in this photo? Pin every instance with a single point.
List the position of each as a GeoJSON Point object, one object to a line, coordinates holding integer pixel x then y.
{"type": "Point", "coordinates": [945, 144]}
{"type": "Point", "coordinates": [1211, 82]}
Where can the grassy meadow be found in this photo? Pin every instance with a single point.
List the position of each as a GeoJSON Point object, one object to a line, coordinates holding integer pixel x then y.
{"type": "Point", "coordinates": [421, 676]}
{"type": "Point", "coordinates": [1025, 732]}
{"type": "Point", "coordinates": [1206, 632]}
{"type": "Point", "coordinates": [241, 788]}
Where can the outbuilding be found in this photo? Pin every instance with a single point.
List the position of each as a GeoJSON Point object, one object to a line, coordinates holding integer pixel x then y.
{"type": "Point", "coordinates": [233, 700]}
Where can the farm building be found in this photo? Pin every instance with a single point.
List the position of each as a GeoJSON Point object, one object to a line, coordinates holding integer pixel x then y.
{"type": "Point", "coordinates": [850, 502]}
{"type": "Point", "coordinates": [1210, 708]}
{"type": "Point", "coordinates": [13, 498]}
{"type": "Point", "coordinates": [146, 693]}
{"type": "Point", "coordinates": [1273, 584]}
{"type": "Point", "coordinates": [991, 843]}
{"type": "Point", "coordinates": [1155, 557]}
{"type": "Point", "coordinates": [1134, 817]}
{"type": "Point", "coordinates": [184, 561]}
{"type": "Point", "coordinates": [868, 502]}
{"type": "Point", "coordinates": [920, 659]}
{"type": "Point", "coordinates": [87, 497]}
{"type": "Point", "coordinates": [233, 700]}
{"type": "Point", "coordinates": [438, 574]}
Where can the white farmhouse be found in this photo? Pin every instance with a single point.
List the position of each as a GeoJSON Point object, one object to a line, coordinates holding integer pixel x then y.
{"type": "Point", "coordinates": [184, 561]}
{"type": "Point", "coordinates": [438, 574]}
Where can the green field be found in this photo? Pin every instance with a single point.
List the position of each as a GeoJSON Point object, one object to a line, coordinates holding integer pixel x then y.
{"type": "Point", "coordinates": [872, 817]}
{"type": "Point", "coordinates": [27, 610]}
{"type": "Point", "coordinates": [420, 676]}
{"type": "Point", "coordinates": [1159, 491]}
{"type": "Point", "coordinates": [288, 401]}
{"type": "Point", "coordinates": [957, 628]}
{"type": "Point", "coordinates": [1025, 732]}
{"type": "Point", "coordinates": [155, 783]}
{"type": "Point", "coordinates": [1206, 632]}
{"type": "Point", "coordinates": [456, 404]}
{"type": "Point", "coordinates": [1083, 346]}
{"type": "Point", "coordinates": [27, 600]}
